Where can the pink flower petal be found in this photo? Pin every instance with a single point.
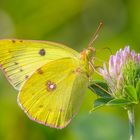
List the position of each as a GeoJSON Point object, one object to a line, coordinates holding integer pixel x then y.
{"type": "Point", "coordinates": [138, 57]}
{"type": "Point", "coordinates": [127, 49]}
{"type": "Point", "coordinates": [105, 69]}
{"type": "Point", "coordinates": [111, 64]}
{"type": "Point", "coordinates": [133, 54]}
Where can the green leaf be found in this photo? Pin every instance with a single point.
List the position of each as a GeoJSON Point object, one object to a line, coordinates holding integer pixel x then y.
{"type": "Point", "coordinates": [131, 92]}
{"type": "Point", "coordinates": [119, 102]}
{"type": "Point", "coordinates": [138, 89]}
{"type": "Point", "coordinates": [100, 88]}
{"type": "Point", "coordinates": [100, 102]}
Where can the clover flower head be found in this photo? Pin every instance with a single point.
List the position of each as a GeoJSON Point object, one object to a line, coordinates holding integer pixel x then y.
{"type": "Point", "coordinates": [123, 68]}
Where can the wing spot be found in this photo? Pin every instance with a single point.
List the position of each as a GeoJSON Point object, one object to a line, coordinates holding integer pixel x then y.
{"type": "Point", "coordinates": [40, 71]}
{"type": "Point", "coordinates": [13, 41]}
{"type": "Point", "coordinates": [21, 41]}
{"type": "Point", "coordinates": [9, 51]}
{"type": "Point", "coordinates": [42, 52]}
{"type": "Point", "coordinates": [21, 69]}
{"type": "Point", "coordinates": [40, 106]}
{"type": "Point", "coordinates": [26, 76]}
{"type": "Point", "coordinates": [49, 110]}
{"type": "Point", "coordinates": [16, 63]}
{"type": "Point", "coordinates": [77, 70]}
{"type": "Point", "coordinates": [51, 86]}
{"type": "Point", "coordinates": [61, 110]}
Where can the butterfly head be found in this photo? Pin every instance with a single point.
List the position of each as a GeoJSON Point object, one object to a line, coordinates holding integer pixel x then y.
{"type": "Point", "coordinates": [88, 54]}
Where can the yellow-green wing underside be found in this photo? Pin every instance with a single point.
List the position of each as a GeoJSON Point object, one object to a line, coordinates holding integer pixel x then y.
{"type": "Point", "coordinates": [54, 106]}
{"type": "Point", "coordinates": [20, 58]}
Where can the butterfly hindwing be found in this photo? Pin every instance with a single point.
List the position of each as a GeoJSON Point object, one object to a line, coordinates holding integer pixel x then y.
{"type": "Point", "coordinates": [53, 94]}
{"type": "Point", "coordinates": [20, 58]}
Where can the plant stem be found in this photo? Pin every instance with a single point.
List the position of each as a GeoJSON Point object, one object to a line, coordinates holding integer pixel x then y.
{"type": "Point", "coordinates": [131, 118]}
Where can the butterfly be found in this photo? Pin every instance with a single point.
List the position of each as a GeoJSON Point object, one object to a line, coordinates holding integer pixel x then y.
{"type": "Point", "coordinates": [51, 78]}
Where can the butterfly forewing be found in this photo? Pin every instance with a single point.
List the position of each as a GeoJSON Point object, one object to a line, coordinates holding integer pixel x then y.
{"type": "Point", "coordinates": [20, 58]}
{"type": "Point", "coordinates": [53, 94]}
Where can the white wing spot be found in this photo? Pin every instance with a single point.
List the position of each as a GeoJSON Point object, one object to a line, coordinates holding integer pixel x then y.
{"type": "Point", "coordinates": [51, 86]}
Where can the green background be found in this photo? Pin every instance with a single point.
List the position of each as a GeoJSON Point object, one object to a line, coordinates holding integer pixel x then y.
{"type": "Point", "coordinates": [71, 22]}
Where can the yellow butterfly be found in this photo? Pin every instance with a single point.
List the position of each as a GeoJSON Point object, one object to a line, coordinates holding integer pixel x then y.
{"type": "Point", "coordinates": [51, 78]}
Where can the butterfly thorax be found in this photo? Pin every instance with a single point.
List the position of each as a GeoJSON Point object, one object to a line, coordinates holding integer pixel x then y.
{"type": "Point", "coordinates": [87, 56]}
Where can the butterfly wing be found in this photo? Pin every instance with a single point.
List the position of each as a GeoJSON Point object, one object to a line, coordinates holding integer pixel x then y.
{"type": "Point", "coordinates": [53, 94]}
{"type": "Point", "coordinates": [20, 58]}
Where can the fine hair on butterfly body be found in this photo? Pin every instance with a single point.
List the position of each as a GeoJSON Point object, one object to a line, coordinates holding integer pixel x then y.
{"type": "Point", "coordinates": [51, 78]}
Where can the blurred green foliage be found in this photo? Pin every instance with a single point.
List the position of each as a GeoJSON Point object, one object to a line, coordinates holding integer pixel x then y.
{"type": "Point", "coordinates": [72, 23]}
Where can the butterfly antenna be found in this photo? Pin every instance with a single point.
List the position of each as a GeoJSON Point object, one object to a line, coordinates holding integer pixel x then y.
{"type": "Point", "coordinates": [95, 35]}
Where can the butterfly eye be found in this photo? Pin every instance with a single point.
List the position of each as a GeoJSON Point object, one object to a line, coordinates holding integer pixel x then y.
{"type": "Point", "coordinates": [42, 52]}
